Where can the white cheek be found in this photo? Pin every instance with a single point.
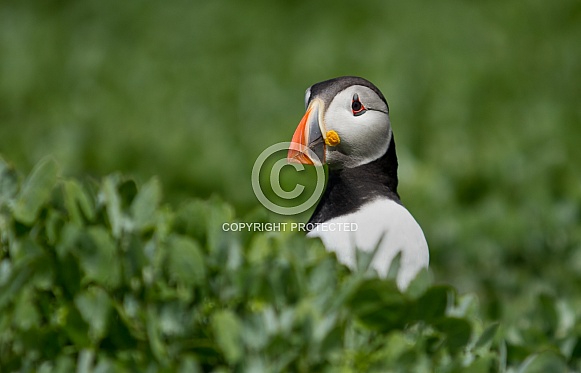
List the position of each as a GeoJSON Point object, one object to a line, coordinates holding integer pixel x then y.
{"type": "Point", "coordinates": [364, 138]}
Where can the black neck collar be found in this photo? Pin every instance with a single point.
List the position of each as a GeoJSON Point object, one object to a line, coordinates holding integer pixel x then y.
{"type": "Point", "coordinates": [350, 188]}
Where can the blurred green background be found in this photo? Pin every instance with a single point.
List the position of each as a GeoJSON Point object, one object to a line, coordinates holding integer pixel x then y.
{"type": "Point", "coordinates": [484, 100]}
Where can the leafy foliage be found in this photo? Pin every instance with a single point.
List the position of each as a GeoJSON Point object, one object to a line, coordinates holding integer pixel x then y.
{"type": "Point", "coordinates": [104, 277]}
{"type": "Point", "coordinates": [484, 100]}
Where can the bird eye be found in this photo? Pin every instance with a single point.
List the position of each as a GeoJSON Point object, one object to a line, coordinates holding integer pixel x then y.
{"type": "Point", "coordinates": [356, 106]}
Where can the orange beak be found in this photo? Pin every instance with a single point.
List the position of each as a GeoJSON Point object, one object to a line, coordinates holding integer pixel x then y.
{"type": "Point", "coordinates": [307, 145]}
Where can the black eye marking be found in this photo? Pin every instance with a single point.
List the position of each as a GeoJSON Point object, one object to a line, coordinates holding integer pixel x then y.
{"type": "Point", "coordinates": [356, 106]}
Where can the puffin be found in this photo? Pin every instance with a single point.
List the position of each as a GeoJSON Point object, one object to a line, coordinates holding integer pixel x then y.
{"type": "Point", "coordinates": [346, 126]}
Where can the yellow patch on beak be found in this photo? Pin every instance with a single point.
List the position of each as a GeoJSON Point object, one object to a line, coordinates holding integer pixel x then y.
{"type": "Point", "coordinates": [332, 138]}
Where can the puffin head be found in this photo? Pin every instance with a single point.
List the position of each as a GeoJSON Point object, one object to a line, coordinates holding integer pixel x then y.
{"type": "Point", "coordinates": [346, 124]}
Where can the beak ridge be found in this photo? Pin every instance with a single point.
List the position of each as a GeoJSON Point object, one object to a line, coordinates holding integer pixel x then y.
{"type": "Point", "coordinates": [307, 144]}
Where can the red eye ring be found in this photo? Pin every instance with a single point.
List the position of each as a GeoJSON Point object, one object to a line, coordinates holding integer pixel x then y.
{"type": "Point", "coordinates": [356, 106]}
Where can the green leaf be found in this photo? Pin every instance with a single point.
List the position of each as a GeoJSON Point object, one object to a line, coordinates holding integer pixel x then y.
{"type": "Point", "coordinates": [54, 223]}
{"type": "Point", "coordinates": [127, 189]}
{"type": "Point", "coordinates": [98, 257]}
{"type": "Point", "coordinates": [547, 361]}
{"type": "Point", "coordinates": [191, 219]}
{"type": "Point", "coordinates": [487, 335]}
{"type": "Point", "coordinates": [85, 361]}
{"type": "Point", "coordinates": [5, 271]}
{"type": "Point", "coordinates": [75, 327]}
{"type": "Point", "coordinates": [64, 364]}
{"type": "Point", "coordinates": [218, 214]}
{"type": "Point", "coordinates": [77, 201]}
{"type": "Point", "coordinates": [457, 332]}
{"type": "Point", "coordinates": [26, 314]}
{"type": "Point", "coordinates": [134, 258]}
{"type": "Point", "coordinates": [145, 205]}
{"type": "Point", "coordinates": [156, 344]}
{"type": "Point", "coordinates": [379, 305]}
{"type": "Point", "coordinates": [19, 276]}
{"type": "Point", "coordinates": [432, 304]}
{"type": "Point", "coordinates": [36, 191]}
{"type": "Point", "coordinates": [113, 205]}
{"type": "Point", "coordinates": [227, 330]}
{"type": "Point", "coordinates": [8, 182]}
{"type": "Point", "coordinates": [189, 364]}
{"type": "Point", "coordinates": [173, 319]}
{"type": "Point", "coordinates": [394, 266]}
{"type": "Point", "coordinates": [482, 364]}
{"type": "Point", "coordinates": [548, 312]}
{"type": "Point", "coordinates": [185, 262]}
{"type": "Point", "coordinates": [363, 260]}
{"type": "Point", "coordinates": [106, 365]}
{"type": "Point", "coordinates": [259, 248]}
{"type": "Point", "coordinates": [419, 284]}
{"type": "Point", "coordinates": [94, 306]}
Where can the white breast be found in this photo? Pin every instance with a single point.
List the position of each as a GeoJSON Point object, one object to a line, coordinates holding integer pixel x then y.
{"type": "Point", "coordinates": [381, 219]}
